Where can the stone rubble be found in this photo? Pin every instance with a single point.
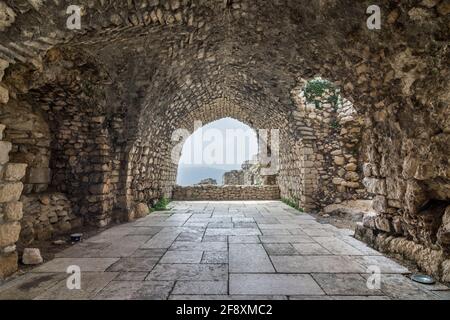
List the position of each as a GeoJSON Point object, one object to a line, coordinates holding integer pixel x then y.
{"type": "Point", "coordinates": [32, 256]}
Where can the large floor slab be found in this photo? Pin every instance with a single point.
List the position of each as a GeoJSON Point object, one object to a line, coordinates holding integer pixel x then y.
{"type": "Point", "coordinates": [222, 250]}
{"type": "Point", "coordinates": [274, 284]}
{"type": "Point", "coordinates": [245, 257]}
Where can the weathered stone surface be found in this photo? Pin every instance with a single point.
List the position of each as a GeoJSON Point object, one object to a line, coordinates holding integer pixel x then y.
{"type": "Point", "coordinates": [326, 264]}
{"type": "Point", "coordinates": [344, 284]}
{"type": "Point", "coordinates": [9, 233]}
{"type": "Point", "coordinates": [7, 16]}
{"type": "Point", "coordinates": [32, 256]}
{"type": "Point", "coordinates": [249, 258]}
{"type": "Point", "coordinates": [182, 257]}
{"type": "Point", "coordinates": [14, 171]}
{"type": "Point", "coordinates": [10, 191]}
{"type": "Point", "coordinates": [13, 211]}
{"type": "Point", "coordinates": [380, 204]}
{"type": "Point", "coordinates": [444, 230]}
{"type": "Point", "coordinates": [144, 275]}
{"type": "Point", "coordinates": [8, 265]}
{"type": "Point", "coordinates": [46, 215]}
{"type": "Point", "coordinates": [2, 126]}
{"type": "Point", "coordinates": [4, 94]}
{"type": "Point", "coordinates": [446, 271]}
{"type": "Point", "coordinates": [377, 186]}
{"type": "Point", "coordinates": [141, 210]}
{"type": "Point", "coordinates": [5, 147]}
{"type": "Point", "coordinates": [85, 264]}
{"type": "Point", "coordinates": [200, 287]}
{"type": "Point", "coordinates": [227, 192]}
{"type": "Point", "coordinates": [39, 175]}
{"type": "Point", "coordinates": [282, 284]}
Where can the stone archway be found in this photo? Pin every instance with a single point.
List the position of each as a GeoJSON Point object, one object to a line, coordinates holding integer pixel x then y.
{"type": "Point", "coordinates": [138, 70]}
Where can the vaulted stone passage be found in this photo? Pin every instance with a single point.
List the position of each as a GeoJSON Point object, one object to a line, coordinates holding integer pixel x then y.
{"type": "Point", "coordinates": [90, 113]}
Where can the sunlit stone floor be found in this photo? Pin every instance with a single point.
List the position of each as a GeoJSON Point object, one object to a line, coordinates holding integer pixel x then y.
{"type": "Point", "coordinates": [222, 250]}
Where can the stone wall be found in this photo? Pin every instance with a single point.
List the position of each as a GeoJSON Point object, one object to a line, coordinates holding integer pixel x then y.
{"type": "Point", "coordinates": [329, 156]}
{"type": "Point", "coordinates": [227, 192]}
{"type": "Point", "coordinates": [10, 207]}
{"type": "Point", "coordinates": [45, 216]}
{"type": "Point", "coordinates": [248, 175]}
{"type": "Point", "coordinates": [233, 177]}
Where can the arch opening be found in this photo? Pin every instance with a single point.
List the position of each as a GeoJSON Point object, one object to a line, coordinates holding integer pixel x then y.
{"type": "Point", "coordinates": [215, 149]}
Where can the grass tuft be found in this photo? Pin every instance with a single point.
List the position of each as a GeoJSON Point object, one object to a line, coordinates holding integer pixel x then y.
{"type": "Point", "coordinates": [293, 204]}
{"type": "Point", "coordinates": [161, 205]}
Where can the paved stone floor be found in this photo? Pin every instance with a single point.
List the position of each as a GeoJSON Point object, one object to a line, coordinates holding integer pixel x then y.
{"type": "Point", "coordinates": [221, 250]}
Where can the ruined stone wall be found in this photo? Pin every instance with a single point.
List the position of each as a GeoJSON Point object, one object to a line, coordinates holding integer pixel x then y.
{"type": "Point", "coordinates": [248, 175]}
{"type": "Point", "coordinates": [29, 133]}
{"type": "Point", "coordinates": [227, 192]}
{"type": "Point", "coordinates": [328, 157]}
{"type": "Point", "coordinates": [46, 215]}
{"type": "Point", "coordinates": [10, 207]}
{"type": "Point", "coordinates": [57, 122]}
{"type": "Point", "coordinates": [234, 177]}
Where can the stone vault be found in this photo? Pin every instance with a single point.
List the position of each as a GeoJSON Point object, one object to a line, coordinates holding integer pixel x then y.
{"type": "Point", "coordinates": [87, 114]}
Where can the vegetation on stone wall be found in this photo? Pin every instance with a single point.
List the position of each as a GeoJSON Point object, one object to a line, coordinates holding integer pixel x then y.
{"type": "Point", "coordinates": [293, 203]}
{"type": "Point", "coordinates": [161, 205]}
{"type": "Point", "coordinates": [317, 89]}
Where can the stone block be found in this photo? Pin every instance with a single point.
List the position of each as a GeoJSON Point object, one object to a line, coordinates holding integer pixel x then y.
{"type": "Point", "coordinates": [444, 230]}
{"type": "Point", "coordinates": [415, 196]}
{"type": "Point", "coordinates": [380, 204]}
{"type": "Point", "coordinates": [15, 171]}
{"type": "Point", "coordinates": [446, 271]}
{"type": "Point", "coordinates": [101, 188]}
{"type": "Point", "coordinates": [9, 233]}
{"type": "Point", "coordinates": [338, 181]}
{"type": "Point", "coordinates": [352, 176]}
{"type": "Point", "coordinates": [38, 175]}
{"type": "Point", "coordinates": [2, 128]}
{"type": "Point", "coordinates": [369, 220]}
{"type": "Point", "coordinates": [141, 210]}
{"type": "Point", "coordinates": [4, 95]}
{"type": "Point", "coordinates": [10, 191]}
{"type": "Point", "coordinates": [5, 148]}
{"type": "Point", "coordinates": [339, 160]}
{"type": "Point", "coordinates": [376, 186]}
{"type": "Point", "coordinates": [383, 223]}
{"type": "Point", "coordinates": [8, 265]}
{"type": "Point", "coordinates": [395, 188]}
{"type": "Point", "coordinates": [32, 256]}
{"type": "Point", "coordinates": [367, 169]}
{"type": "Point", "coordinates": [13, 211]}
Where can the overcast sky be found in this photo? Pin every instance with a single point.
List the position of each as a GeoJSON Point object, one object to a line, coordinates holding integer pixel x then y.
{"type": "Point", "coordinates": [225, 143]}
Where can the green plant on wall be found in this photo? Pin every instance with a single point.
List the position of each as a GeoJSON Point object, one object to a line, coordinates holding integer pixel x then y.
{"type": "Point", "coordinates": [292, 203]}
{"type": "Point", "coordinates": [317, 88]}
{"type": "Point", "coordinates": [335, 124]}
{"type": "Point", "coordinates": [161, 205]}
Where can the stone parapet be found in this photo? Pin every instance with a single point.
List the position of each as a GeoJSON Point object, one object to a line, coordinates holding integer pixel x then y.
{"type": "Point", "coordinates": [226, 193]}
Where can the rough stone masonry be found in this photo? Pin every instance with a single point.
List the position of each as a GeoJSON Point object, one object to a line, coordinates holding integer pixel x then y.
{"type": "Point", "coordinates": [87, 115]}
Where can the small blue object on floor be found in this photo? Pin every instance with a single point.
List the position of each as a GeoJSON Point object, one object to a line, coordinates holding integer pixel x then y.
{"type": "Point", "coordinates": [423, 278]}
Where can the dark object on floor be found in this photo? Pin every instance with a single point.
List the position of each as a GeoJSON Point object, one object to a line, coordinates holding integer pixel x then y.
{"type": "Point", "coordinates": [76, 237]}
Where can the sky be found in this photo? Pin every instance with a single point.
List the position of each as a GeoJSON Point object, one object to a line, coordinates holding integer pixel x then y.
{"type": "Point", "coordinates": [215, 148]}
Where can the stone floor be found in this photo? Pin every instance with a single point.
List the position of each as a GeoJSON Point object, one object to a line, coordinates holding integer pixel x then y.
{"type": "Point", "coordinates": [221, 250]}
